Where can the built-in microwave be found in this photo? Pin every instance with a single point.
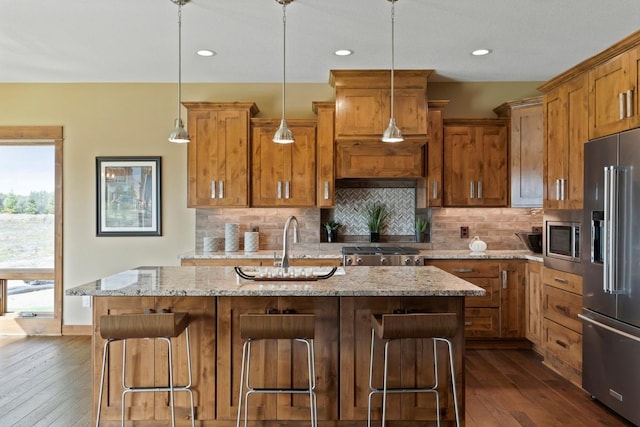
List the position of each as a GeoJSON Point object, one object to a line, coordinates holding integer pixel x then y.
{"type": "Point", "coordinates": [561, 240]}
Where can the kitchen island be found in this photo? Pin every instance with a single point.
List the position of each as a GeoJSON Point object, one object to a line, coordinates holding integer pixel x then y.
{"type": "Point", "coordinates": [215, 297]}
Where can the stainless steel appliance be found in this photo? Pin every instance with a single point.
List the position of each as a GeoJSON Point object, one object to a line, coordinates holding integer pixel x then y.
{"type": "Point", "coordinates": [611, 262]}
{"type": "Point", "coordinates": [561, 240]}
{"type": "Point", "coordinates": [381, 255]}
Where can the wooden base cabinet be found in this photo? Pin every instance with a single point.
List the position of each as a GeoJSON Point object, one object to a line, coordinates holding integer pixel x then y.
{"type": "Point", "coordinates": [411, 362]}
{"type": "Point", "coordinates": [562, 330]}
{"type": "Point", "coordinates": [533, 305]}
{"type": "Point", "coordinates": [147, 362]}
{"type": "Point", "coordinates": [278, 362]}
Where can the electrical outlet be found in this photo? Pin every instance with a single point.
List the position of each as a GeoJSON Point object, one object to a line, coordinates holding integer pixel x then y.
{"type": "Point", "coordinates": [464, 232]}
{"type": "Point", "coordinates": [536, 229]}
{"type": "Point", "coordinates": [86, 301]}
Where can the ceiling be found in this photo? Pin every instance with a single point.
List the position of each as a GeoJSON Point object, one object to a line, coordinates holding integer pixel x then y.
{"type": "Point", "coordinates": [136, 40]}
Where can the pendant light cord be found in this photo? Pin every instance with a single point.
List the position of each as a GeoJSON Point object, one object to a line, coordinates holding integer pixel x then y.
{"type": "Point", "coordinates": [179, 59]}
{"type": "Point", "coordinates": [393, 16]}
{"type": "Point", "coordinates": [284, 54]}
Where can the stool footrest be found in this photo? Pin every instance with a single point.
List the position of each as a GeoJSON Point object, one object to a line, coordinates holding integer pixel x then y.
{"type": "Point", "coordinates": [279, 390]}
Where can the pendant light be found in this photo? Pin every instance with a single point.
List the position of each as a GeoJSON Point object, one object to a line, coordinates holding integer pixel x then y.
{"type": "Point", "coordinates": [392, 133]}
{"type": "Point", "coordinates": [284, 135]}
{"type": "Point", "coordinates": [179, 134]}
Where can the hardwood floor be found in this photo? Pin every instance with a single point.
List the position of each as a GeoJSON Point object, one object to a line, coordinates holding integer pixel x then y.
{"type": "Point", "coordinates": [45, 381]}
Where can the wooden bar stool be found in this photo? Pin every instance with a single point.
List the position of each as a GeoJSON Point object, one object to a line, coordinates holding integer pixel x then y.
{"type": "Point", "coordinates": [438, 327]}
{"type": "Point", "coordinates": [162, 326]}
{"type": "Point", "coordinates": [298, 327]}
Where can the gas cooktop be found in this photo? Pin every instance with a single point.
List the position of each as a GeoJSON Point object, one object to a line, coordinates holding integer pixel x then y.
{"type": "Point", "coordinates": [379, 250]}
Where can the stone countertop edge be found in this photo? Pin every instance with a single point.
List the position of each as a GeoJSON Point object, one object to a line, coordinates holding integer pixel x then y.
{"type": "Point", "coordinates": [427, 254]}
{"type": "Point", "coordinates": [223, 281]}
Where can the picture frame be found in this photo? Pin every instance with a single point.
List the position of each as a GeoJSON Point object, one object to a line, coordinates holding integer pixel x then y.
{"type": "Point", "coordinates": [128, 196]}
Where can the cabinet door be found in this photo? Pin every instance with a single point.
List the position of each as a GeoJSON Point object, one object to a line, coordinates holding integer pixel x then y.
{"type": "Point", "coordinates": [412, 361]}
{"type": "Point", "coordinates": [360, 112]}
{"type": "Point", "coordinates": [613, 95]}
{"type": "Point", "coordinates": [566, 126]}
{"type": "Point", "coordinates": [218, 154]}
{"type": "Point", "coordinates": [272, 362]}
{"type": "Point", "coordinates": [325, 154]}
{"type": "Point", "coordinates": [492, 184]}
{"type": "Point", "coordinates": [461, 166]}
{"type": "Point", "coordinates": [526, 156]}
{"type": "Point", "coordinates": [365, 159]}
{"type": "Point", "coordinates": [533, 304]}
{"type": "Point", "coordinates": [512, 295]}
{"type": "Point", "coordinates": [283, 174]}
{"type": "Point", "coordinates": [435, 147]}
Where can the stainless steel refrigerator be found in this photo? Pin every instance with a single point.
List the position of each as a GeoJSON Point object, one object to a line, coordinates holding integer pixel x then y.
{"type": "Point", "coordinates": [611, 272]}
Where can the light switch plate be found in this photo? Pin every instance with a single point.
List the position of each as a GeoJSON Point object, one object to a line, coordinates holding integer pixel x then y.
{"type": "Point", "coordinates": [86, 301]}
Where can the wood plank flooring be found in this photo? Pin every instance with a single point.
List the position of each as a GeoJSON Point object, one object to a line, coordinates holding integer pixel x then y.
{"type": "Point", "coordinates": [45, 381]}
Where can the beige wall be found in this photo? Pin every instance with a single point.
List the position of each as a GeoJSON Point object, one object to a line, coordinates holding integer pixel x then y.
{"type": "Point", "coordinates": [135, 119]}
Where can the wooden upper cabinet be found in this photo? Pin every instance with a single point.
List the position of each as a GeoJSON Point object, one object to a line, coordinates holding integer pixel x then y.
{"type": "Point", "coordinates": [375, 159]}
{"type": "Point", "coordinates": [613, 95]}
{"type": "Point", "coordinates": [526, 142]}
{"type": "Point", "coordinates": [363, 102]}
{"type": "Point", "coordinates": [283, 174]}
{"type": "Point", "coordinates": [475, 162]}
{"type": "Point", "coordinates": [325, 154]}
{"type": "Point", "coordinates": [218, 154]}
{"type": "Point", "coordinates": [565, 132]}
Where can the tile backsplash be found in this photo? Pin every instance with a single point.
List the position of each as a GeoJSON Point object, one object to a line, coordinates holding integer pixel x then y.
{"type": "Point", "coordinates": [496, 226]}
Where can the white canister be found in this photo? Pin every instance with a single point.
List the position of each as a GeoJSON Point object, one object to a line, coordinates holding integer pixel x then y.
{"type": "Point", "coordinates": [251, 241]}
{"type": "Point", "coordinates": [231, 237]}
{"type": "Point", "coordinates": [207, 244]}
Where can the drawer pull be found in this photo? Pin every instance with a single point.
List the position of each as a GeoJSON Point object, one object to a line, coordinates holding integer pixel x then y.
{"type": "Point", "coordinates": [468, 323]}
{"type": "Point", "coordinates": [564, 309]}
{"type": "Point", "coordinates": [463, 270]}
{"type": "Point", "coordinates": [562, 344]}
{"type": "Point", "coordinates": [560, 280]}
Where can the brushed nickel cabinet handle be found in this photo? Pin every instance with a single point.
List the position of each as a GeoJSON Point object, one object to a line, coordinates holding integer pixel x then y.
{"type": "Point", "coordinates": [562, 344]}
{"type": "Point", "coordinates": [560, 280]}
{"type": "Point", "coordinates": [479, 189]}
{"type": "Point", "coordinates": [326, 190]}
{"type": "Point", "coordinates": [558, 189]}
{"type": "Point", "coordinates": [463, 270]}
{"type": "Point", "coordinates": [630, 103]}
{"type": "Point", "coordinates": [471, 190]}
{"type": "Point", "coordinates": [468, 323]}
{"type": "Point", "coordinates": [505, 277]}
{"type": "Point", "coordinates": [435, 190]}
{"type": "Point", "coordinates": [213, 189]}
{"type": "Point", "coordinates": [286, 190]}
{"type": "Point", "coordinates": [621, 105]}
{"type": "Point", "coordinates": [221, 190]}
{"type": "Point", "coordinates": [279, 187]}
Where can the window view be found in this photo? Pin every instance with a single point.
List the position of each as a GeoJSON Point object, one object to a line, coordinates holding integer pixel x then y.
{"type": "Point", "coordinates": [27, 226]}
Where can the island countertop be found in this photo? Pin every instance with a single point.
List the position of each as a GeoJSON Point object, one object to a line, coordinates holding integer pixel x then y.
{"type": "Point", "coordinates": [223, 281]}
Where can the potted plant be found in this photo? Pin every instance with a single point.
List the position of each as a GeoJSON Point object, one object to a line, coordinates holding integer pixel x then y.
{"type": "Point", "coordinates": [422, 225]}
{"type": "Point", "coordinates": [331, 227]}
{"type": "Point", "coordinates": [376, 215]}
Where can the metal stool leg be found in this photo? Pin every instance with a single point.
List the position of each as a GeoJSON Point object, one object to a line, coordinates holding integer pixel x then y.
{"type": "Point", "coordinates": [371, 391]}
{"type": "Point", "coordinates": [124, 385]}
{"type": "Point", "coordinates": [105, 349]}
{"type": "Point", "coordinates": [453, 378]}
{"type": "Point", "coordinates": [242, 373]}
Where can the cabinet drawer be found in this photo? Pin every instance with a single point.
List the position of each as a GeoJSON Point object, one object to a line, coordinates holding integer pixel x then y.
{"type": "Point", "coordinates": [482, 322]}
{"type": "Point", "coordinates": [562, 307]}
{"type": "Point", "coordinates": [492, 297]}
{"type": "Point", "coordinates": [467, 268]}
{"type": "Point", "coordinates": [563, 344]}
{"type": "Point", "coordinates": [560, 279]}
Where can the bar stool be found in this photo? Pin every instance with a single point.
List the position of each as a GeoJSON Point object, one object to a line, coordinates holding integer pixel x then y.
{"type": "Point", "coordinates": [255, 327]}
{"type": "Point", "coordinates": [438, 327]}
{"type": "Point", "coordinates": [162, 326]}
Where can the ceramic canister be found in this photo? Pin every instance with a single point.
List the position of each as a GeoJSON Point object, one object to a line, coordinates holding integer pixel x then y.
{"type": "Point", "coordinates": [231, 237]}
{"type": "Point", "coordinates": [251, 241]}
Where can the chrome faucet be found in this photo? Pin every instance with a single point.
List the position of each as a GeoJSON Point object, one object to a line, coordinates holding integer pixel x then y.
{"type": "Point", "coordinates": [285, 244]}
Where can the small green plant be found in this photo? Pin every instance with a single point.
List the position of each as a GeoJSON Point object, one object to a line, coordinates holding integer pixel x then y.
{"type": "Point", "coordinates": [421, 224]}
{"type": "Point", "coordinates": [376, 215]}
{"type": "Point", "coordinates": [331, 226]}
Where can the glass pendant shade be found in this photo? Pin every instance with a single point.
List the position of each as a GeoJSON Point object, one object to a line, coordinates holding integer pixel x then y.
{"type": "Point", "coordinates": [179, 134]}
{"type": "Point", "coordinates": [283, 135]}
{"type": "Point", "coordinates": [392, 133]}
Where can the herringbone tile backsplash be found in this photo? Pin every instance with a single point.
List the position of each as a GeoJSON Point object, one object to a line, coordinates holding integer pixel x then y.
{"type": "Point", "coordinates": [351, 211]}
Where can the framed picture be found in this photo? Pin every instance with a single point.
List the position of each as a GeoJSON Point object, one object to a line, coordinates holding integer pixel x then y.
{"type": "Point", "coordinates": [128, 196]}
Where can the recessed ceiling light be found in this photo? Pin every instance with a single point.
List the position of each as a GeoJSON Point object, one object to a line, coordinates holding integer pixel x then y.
{"type": "Point", "coordinates": [205, 52]}
{"type": "Point", "coordinates": [481, 52]}
{"type": "Point", "coordinates": [343, 52]}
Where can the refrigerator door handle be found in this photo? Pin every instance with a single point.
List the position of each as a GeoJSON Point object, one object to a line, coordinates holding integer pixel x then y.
{"type": "Point", "coordinates": [610, 228]}
{"type": "Point", "coordinates": [608, 328]}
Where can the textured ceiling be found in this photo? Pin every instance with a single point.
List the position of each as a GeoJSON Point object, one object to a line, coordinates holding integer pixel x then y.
{"type": "Point", "coordinates": [136, 41]}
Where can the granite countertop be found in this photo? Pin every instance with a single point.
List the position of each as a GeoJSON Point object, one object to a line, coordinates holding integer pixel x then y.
{"type": "Point", "coordinates": [335, 253]}
{"type": "Point", "coordinates": [223, 281]}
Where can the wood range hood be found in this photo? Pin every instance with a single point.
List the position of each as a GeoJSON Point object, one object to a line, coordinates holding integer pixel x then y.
{"type": "Point", "coordinates": [363, 109]}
